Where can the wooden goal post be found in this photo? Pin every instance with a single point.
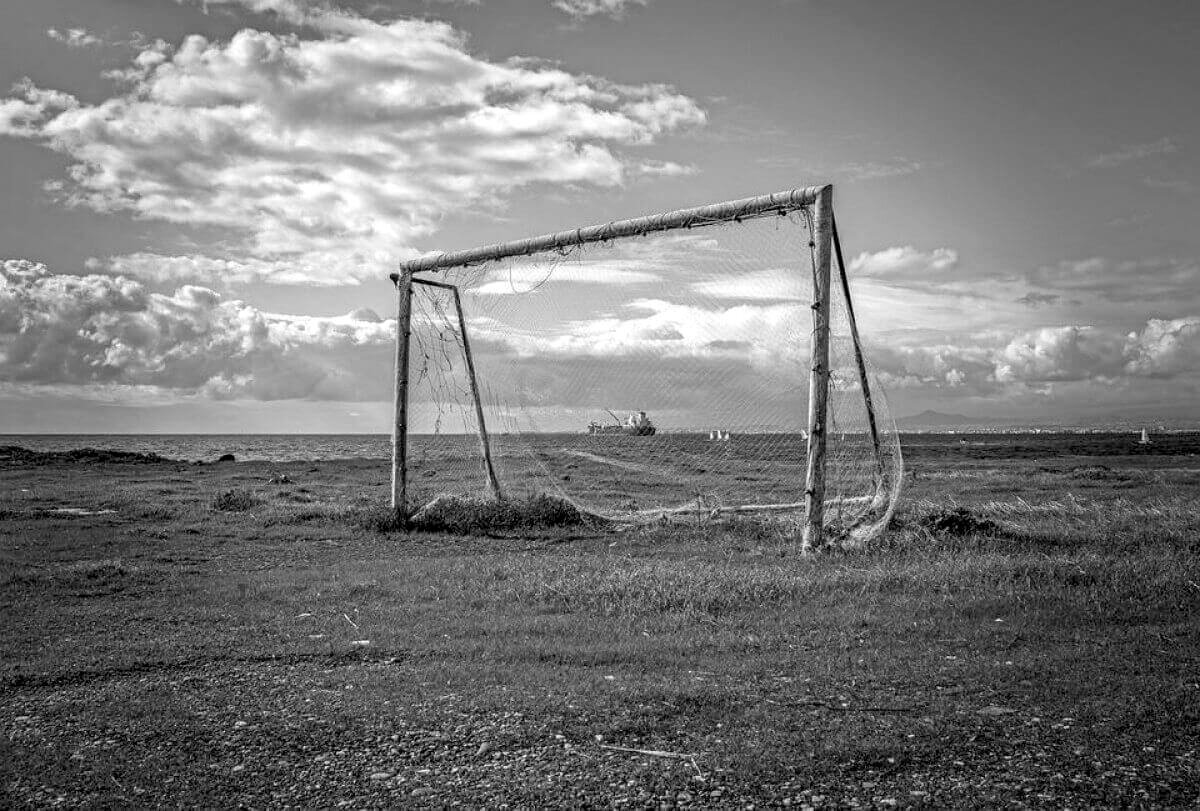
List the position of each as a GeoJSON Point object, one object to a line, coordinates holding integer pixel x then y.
{"type": "Point", "coordinates": [818, 200]}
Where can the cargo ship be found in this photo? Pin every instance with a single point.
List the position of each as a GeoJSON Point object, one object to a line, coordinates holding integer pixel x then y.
{"type": "Point", "coordinates": [636, 424]}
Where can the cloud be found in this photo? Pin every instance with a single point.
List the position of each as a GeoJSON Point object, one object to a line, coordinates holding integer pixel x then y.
{"type": "Point", "coordinates": [1039, 299]}
{"type": "Point", "coordinates": [851, 171]}
{"type": "Point", "coordinates": [326, 155]}
{"type": "Point", "coordinates": [1133, 152]}
{"type": "Point", "coordinates": [759, 334]}
{"type": "Point", "coordinates": [1165, 348]}
{"type": "Point", "coordinates": [1143, 279]}
{"type": "Point", "coordinates": [527, 278]}
{"type": "Point", "coordinates": [769, 284]}
{"type": "Point", "coordinates": [74, 37]}
{"type": "Point", "coordinates": [1033, 359]}
{"type": "Point", "coordinates": [95, 330]}
{"type": "Point", "coordinates": [871, 170]}
{"type": "Point", "coordinates": [171, 271]}
{"type": "Point", "coordinates": [1061, 354]}
{"type": "Point", "coordinates": [665, 169]}
{"type": "Point", "coordinates": [580, 9]}
{"type": "Point", "coordinates": [904, 261]}
{"type": "Point", "coordinates": [1175, 184]}
{"type": "Point", "coordinates": [615, 264]}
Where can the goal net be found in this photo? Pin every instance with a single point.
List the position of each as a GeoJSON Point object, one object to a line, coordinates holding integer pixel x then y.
{"type": "Point", "coordinates": [659, 371]}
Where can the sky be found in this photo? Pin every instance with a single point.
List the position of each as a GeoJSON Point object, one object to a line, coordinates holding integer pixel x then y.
{"type": "Point", "coordinates": [200, 201]}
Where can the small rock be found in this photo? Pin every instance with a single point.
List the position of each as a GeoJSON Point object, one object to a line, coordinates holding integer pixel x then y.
{"type": "Point", "coordinates": [423, 791]}
{"type": "Point", "coordinates": [227, 457]}
{"type": "Point", "coordinates": [995, 710]}
{"type": "Point", "coordinates": [380, 775]}
{"type": "Point", "coordinates": [484, 748]}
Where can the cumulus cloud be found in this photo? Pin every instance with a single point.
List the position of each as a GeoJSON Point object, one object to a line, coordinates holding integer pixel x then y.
{"type": "Point", "coordinates": [1050, 355]}
{"type": "Point", "coordinates": [58, 329]}
{"type": "Point", "coordinates": [1060, 354]}
{"type": "Point", "coordinates": [327, 154]}
{"type": "Point", "coordinates": [1165, 348]}
{"type": "Point", "coordinates": [1133, 152]}
{"type": "Point", "coordinates": [579, 9]}
{"type": "Point", "coordinates": [904, 261]}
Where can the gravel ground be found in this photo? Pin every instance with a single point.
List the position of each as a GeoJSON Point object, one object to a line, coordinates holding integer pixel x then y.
{"type": "Point", "coordinates": [277, 734]}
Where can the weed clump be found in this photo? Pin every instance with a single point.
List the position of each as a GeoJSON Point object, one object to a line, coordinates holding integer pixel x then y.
{"type": "Point", "coordinates": [958, 522]}
{"type": "Point", "coordinates": [239, 500]}
{"type": "Point", "coordinates": [464, 516]}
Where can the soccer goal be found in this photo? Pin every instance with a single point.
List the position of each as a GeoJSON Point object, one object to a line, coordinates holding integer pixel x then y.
{"type": "Point", "coordinates": [697, 362]}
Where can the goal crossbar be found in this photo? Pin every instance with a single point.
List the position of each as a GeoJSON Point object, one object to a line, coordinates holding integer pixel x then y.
{"type": "Point", "coordinates": [765, 204]}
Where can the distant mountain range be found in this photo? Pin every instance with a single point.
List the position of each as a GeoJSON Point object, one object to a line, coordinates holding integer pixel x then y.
{"type": "Point", "coordinates": [940, 419]}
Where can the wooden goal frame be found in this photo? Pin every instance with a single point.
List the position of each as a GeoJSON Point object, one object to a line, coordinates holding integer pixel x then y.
{"type": "Point", "coordinates": [824, 242]}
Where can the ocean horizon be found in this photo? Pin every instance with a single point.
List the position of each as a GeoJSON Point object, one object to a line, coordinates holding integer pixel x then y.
{"type": "Point", "coordinates": [289, 447]}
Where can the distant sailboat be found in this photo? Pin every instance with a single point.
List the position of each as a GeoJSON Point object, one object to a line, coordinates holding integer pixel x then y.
{"type": "Point", "coordinates": [1145, 440]}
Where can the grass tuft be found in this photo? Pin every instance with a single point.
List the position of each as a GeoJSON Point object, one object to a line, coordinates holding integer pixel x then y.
{"type": "Point", "coordinates": [958, 522]}
{"type": "Point", "coordinates": [237, 500]}
{"type": "Point", "coordinates": [473, 516]}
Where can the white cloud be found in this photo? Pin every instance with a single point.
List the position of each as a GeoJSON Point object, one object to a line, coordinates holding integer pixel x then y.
{"type": "Point", "coordinates": [1165, 348]}
{"type": "Point", "coordinates": [327, 155]}
{"type": "Point", "coordinates": [764, 335]}
{"type": "Point", "coordinates": [769, 284]}
{"type": "Point", "coordinates": [74, 37]}
{"type": "Point", "coordinates": [527, 278]}
{"type": "Point", "coordinates": [665, 169]}
{"type": "Point", "coordinates": [1133, 152]}
{"type": "Point", "coordinates": [580, 9]}
{"type": "Point", "coordinates": [172, 271]}
{"type": "Point", "coordinates": [1033, 359]}
{"type": "Point", "coordinates": [97, 330]}
{"type": "Point", "coordinates": [1060, 354]}
{"type": "Point", "coordinates": [904, 261]}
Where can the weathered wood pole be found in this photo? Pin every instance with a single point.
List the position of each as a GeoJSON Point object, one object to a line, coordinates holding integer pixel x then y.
{"type": "Point", "coordinates": [818, 378]}
{"type": "Point", "coordinates": [484, 445]}
{"type": "Point", "coordinates": [858, 356]}
{"type": "Point", "coordinates": [400, 425]}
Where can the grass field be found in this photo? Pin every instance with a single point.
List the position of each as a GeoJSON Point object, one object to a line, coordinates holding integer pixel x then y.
{"type": "Point", "coordinates": [244, 634]}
